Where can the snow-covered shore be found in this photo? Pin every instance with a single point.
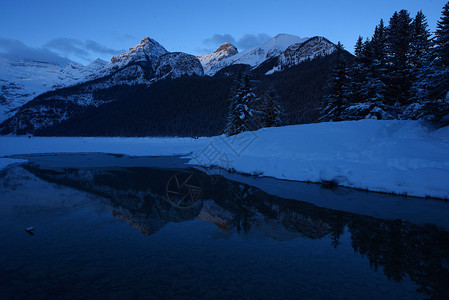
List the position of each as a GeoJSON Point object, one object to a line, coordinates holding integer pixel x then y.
{"type": "Point", "coordinates": [402, 157]}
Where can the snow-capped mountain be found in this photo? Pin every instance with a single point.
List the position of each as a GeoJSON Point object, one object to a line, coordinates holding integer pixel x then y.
{"type": "Point", "coordinates": [147, 51]}
{"type": "Point", "coordinates": [22, 80]}
{"type": "Point", "coordinates": [289, 49]}
{"type": "Point", "coordinates": [253, 56]}
{"type": "Point", "coordinates": [143, 64]}
{"type": "Point", "coordinates": [79, 88]}
{"type": "Point", "coordinates": [209, 60]}
{"type": "Point", "coordinates": [297, 53]}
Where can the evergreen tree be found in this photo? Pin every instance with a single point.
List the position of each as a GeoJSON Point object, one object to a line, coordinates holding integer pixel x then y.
{"type": "Point", "coordinates": [435, 80]}
{"type": "Point", "coordinates": [420, 43]}
{"type": "Point", "coordinates": [442, 38]}
{"type": "Point", "coordinates": [420, 59]}
{"type": "Point", "coordinates": [379, 45]}
{"type": "Point", "coordinates": [398, 54]}
{"type": "Point", "coordinates": [337, 94]}
{"type": "Point", "coordinates": [243, 110]}
{"type": "Point", "coordinates": [357, 74]}
{"type": "Point", "coordinates": [271, 113]}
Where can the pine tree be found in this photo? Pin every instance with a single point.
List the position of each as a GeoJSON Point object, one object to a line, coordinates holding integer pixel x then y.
{"type": "Point", "coordinates": [243, 111]}
{"type": "Point", "coordinates": [420, 59]}
{"type": "Point", "coordinates": [357, 74]}
{"type": "Point", "coordinates": [435, 80]}
{"type": "Point", "coordinates": [442, 38]}
{"type": "Point", "coordinates": [337, 95]}
{"type": "Point", "coordinates": [379, 45]}
{"type": "Point", "coordinates": [420, 43]}
{"type": "Point", "coordinates": [398, 53]}
{"type": "Point", "coordinates": [271, 113]}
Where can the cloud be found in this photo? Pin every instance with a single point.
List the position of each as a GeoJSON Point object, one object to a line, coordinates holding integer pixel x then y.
{"type": "Point", "coordinates": [218, 39]}
{"type": "Point", "coordinates": [125, 37]}
{"type": "Point", "coordinates": [97, 48]}
{"type": "Point", "coordinates": [251, 40]}
{"type": "Point", "coordinates": [245, 42]}
{"type": "Point", "coordinates": [16, 48]}
{"type": "Point", "coordinates": [85, 50]}
{"type": "Point", "coordinates": [57, 50]}
{"type": "Point", "coordinates": [68, 47]}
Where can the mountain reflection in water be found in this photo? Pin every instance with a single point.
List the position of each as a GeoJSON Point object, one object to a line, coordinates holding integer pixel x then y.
{"type": "Point", "coordinates": [400, 249]}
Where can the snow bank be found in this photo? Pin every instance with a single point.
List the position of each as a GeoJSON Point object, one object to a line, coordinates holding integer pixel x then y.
{"type": "Point", "coordinates": [4, 162]}
{"type": "Point", "coordinates": [401, 157]}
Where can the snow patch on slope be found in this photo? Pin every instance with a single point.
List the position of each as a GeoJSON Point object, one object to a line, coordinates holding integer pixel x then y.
{"type": "Point", "coordinates": [22, 80]}
{"type": "Point", "coordinates": [208, 61]}
{"type": "Point", "coordinates": [308, 50]}
{"type": "Point", "coordinates": [257, 55]}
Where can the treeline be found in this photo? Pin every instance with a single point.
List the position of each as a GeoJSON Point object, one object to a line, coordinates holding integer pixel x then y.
{"type": "Point", "coordinates": [401, 72]}
{"type": "Point", "coordinates": [196, 106]}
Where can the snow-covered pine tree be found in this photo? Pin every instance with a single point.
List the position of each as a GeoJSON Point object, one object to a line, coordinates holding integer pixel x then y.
{"type": "Point", "coordinates": [244, 107]}
{"type": "Point", "coordinates": [233, 114]}
{"type": "Point", "coordinates": [435, 81]}
{"type": "Point", "coordinates": [336, 99]}
{"type": "Point", "coordinates": [271, 114]}
{"type": "Point", "coordinates": [442, 38]}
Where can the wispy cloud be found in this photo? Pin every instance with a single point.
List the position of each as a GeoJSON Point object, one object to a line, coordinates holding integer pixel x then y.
{"type": "Point", "coordinates": [246, 41]}
{"type": "Point", "coordinates": [86, 50]}
{"type": "Point", "coordinates": [16, 48]}
{"type": "Point", "coordinates": [68, 47]}
{"type": "Point", "coordinates": [57, 50]}
{"type": "Point", "coordinates": [251, 40]}
{"type": "Point", "coordinates": [218, 39]}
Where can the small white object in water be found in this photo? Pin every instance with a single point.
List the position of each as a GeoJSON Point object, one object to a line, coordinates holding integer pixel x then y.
{"type": "Point", "coordinates": [30, 229]}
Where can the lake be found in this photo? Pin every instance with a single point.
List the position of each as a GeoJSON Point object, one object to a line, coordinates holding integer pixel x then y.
{"type": "Point", "coordinates": [116, 227]}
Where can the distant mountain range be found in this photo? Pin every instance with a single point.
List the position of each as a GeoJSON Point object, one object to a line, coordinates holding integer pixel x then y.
{"type": "Point", "coordinates": [59, 94]}
{"type": "Point", "coordinates": [22, 80]}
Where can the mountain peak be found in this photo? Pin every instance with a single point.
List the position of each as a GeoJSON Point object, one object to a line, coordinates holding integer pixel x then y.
{"type": "Point", "coordinates": [147, 50]}
{"type": "Point", "coordinates": [228, 47]}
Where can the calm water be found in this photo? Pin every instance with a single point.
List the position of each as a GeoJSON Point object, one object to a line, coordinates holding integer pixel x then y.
{"type": "Point", "coordinates": [116, 227]}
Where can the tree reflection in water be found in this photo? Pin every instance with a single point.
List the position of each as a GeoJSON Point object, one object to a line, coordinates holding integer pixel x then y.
{"type": "Point", "coordinates": [137, 195]}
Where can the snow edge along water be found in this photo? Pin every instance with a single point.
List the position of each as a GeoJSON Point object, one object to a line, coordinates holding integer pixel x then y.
{"type": "Point", "coordinates": [398, 157]}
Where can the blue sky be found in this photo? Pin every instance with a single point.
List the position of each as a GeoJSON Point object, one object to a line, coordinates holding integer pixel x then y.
{"type": "Point", "coordinates": [84, 30]}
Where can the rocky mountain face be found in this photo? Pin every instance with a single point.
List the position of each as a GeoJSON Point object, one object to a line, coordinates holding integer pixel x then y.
{"type": "Point", "coordinates": [143, 64]}
{"type": "Point", "coordinates": [211, 61]}
{"type": "Point", "coordinates": [22, 80]}
{"type": "Point", "coordinates": [310, 49]}
{"type": "Point", "coordinates": [177, 64]}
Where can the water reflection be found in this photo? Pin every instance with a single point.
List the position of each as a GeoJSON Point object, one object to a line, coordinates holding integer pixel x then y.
{"type": "Point", "coordinates": [401, 250]}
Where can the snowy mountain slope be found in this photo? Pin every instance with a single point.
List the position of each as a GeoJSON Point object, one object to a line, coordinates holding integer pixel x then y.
{"type": "Point", "coordinates": [22, 80]}
{"type": "Point", "coordinates": [143, 64]}
{"type": "Point", "coordinates": [253, 56]}
{"type": "Point", "coordinates": [209, 60]}
{"type": "Point", "coordinates": [297, 53]}
{"type": "Point", "coordinates": [148, 50]}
